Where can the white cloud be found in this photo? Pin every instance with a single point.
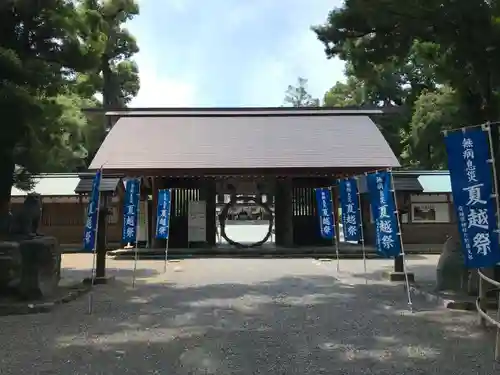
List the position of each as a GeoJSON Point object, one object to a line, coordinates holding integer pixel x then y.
{"type": "Point", "coordinates": [184, 75]}
{"type": "Point", "coordinates": [265, 85]}
{"type": "Point", "coordinates": [311, 63]}
{"type": "Point", "coordinates": [164, 92]}
{"type": "Point", "coordinates": [302, 56]}
{"type": "Point", "coordinates": [161, 90]}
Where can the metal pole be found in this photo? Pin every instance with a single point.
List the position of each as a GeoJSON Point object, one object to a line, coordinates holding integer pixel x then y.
{"type": "Point", "coordinates": [487, 127]}
{"type": "Point", "coordinates": [168, 233]}
{"type": "Point", "coordinates": [483, 300]}
{"type": "Point", "coordinates": [166, 256]}
{"type": "Point", "coordinates": [497, 344]}
{"type": "Point", "coordinates": [94, 255]}
{"type": "Point", "coordinates": [136, 250]}
{"type": "Point", "coordinates": [335, 235]}
{"type": "Point", "coordinates": [361, 231]}
{"type": "Point", "coordinates": [405, 270]}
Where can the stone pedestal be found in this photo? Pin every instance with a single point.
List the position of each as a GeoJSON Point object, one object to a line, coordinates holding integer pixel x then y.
{"type": "Point", "coordinates": [30, 263]}
{"type": "Point", "coordinates": [10, 265]}
{"type": "Point", "coordinates": [41, 267]}
{"type": "Point", "coordinates": [398, 276]}
{"type": "Point", "coordinates": [99, 280]}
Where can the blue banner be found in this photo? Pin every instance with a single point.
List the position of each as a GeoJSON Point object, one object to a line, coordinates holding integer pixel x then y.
{"type": "Point", "coordinates": [472, 188]}
{"type": "Point", "coordinates": [325, 214]}
{"type": "Point", "coordinates": [351, 215]}
{"type": "Point", "coordinates": [383, 207]}
{"type": "Point", "coordinates": [131, 210]}
{"type": "Point", "coordinates": [163, 214]}
{"type": "Point", "coordinates": [89, 235]}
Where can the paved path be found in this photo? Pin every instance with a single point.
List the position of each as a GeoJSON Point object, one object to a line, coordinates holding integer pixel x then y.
{"type": "Point", "coordinates": [244, 316]}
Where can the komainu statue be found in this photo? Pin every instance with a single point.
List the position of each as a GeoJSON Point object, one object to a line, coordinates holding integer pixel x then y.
{"type": "Point", "coordinates": [30, 263]}
{"type": "Point", "coordinates": [452, 275]}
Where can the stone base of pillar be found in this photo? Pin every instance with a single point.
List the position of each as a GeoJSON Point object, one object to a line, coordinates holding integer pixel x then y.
{"type": "Point", "coordinates": [398, 276]}
{"type": "Point", "coordinates": [99, 280]}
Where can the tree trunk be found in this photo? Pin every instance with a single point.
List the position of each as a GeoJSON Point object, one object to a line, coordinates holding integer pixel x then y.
{"type": "Point", "coordinates": [110, 91]}
{"type": "Point", "coordinates": [6, 180]}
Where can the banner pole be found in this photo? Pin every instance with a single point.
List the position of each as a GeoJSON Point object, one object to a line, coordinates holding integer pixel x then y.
{"type": "Point", "coordinates": [168, 234]}
{"type": "Point", "coordinates": [335, 235]}
{"type": "Point", "coordinates": [400, 235]}
{"type": "Point", "coordinates": [166, 256]}
{"type": "Point", "coordinates": [94, 254]}
{"type": "Point", "coordinates": [136, 250]}
{"type": "Point", "coordinates": [487, 127]}
{"type": "Point", "coordinates": [495, 175]}
{"type": "Point", "coordinates": [361, 231]}
{"type": "Point", "coordinates": [464, 128]}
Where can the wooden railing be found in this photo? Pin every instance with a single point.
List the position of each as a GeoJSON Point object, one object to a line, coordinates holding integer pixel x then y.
{"type": "Point", "coordinates": [482, 308]}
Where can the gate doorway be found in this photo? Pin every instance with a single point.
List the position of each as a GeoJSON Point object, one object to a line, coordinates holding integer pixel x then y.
{"type": "Point", "coordinates": [245, 222]}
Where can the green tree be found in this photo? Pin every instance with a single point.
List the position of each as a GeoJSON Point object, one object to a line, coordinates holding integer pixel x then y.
{"type": "Point", "coordinates": [40, 50]}
{"type": "Point", "coordinates": [433, 112]}
{"type": "Point", "coordinates": [444, 52]}
{"type": "Point", "coordinates": [459, 40]}
{"type": "Point", "coordinates": [78, 133]}
{"type": "Point", "coordinates": [298, 96]}
{"type": "Point", "coordinates": [381, 87]}
{"type": "Point", "coordinates": [55, 56]}
{"type": "Point", "coordinates": [116, 76]}
{"type": "Point", "coordinates": [348, 94]}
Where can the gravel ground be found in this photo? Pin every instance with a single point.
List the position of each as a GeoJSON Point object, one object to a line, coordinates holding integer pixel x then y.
{"type": "Point", "coordinates": [245, 316]}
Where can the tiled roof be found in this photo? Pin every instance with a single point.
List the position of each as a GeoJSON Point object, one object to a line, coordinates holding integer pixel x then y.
{"type": "Point", "coordinates": [401, 183]}
{"type": "Point", "coordinates": [218, 140]}
{"type": "Point", "coordinates": [436, 183]}
{"type": "Point", "coordinates": [51, 185]}
{"type": "Point", "coordinates": [108, 184]}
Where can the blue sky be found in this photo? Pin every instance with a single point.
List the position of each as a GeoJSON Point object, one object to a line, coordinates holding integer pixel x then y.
{"type": "Point", "coordinates": [230, 52]}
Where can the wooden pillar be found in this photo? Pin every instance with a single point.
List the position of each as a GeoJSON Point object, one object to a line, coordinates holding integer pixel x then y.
{"type": "Point", "coordinates": [278, 212]}
{"type": "Point", "coordinates": [102, 217]}
{"type": "Point", "coordinates": [287, 213]}
{"type": "Point", "coordinates": [208, 194]}
{"type": "Point", "coordinates": [154, 192]}
{"type": "Point", "coordinates": [398, 260]}
{"type": "Point", "coordinates": [403, 207]}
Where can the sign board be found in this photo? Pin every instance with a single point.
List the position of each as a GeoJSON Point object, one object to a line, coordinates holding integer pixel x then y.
{"type": "Point", "coordinates": [197, 231]}
{"type": "Point", "coordinates": [142, 230]}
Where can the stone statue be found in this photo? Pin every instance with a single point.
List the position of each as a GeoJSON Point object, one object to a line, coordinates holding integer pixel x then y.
{"type": "Point", "coordinates": [451, 272]}
{"type": "Point", "coordinates": [30, 263]}
{"type": "Point", "coordinates": [27, 220]}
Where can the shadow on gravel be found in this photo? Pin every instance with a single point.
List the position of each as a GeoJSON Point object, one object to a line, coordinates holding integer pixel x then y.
{"type": "Point", "coordinates": [80, 274]}
{"type": "Point", "coordinates": [423, 273]}
{"type": "Point", "coordinates": [293, 325]}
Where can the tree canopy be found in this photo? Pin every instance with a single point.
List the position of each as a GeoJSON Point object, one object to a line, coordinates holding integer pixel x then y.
{"type": "Point", "coordinates": [56, 56]}
{"type": "Point", "coordinates": [298, 96]}
{"type": "Point", "coordinates": [437, 61]}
